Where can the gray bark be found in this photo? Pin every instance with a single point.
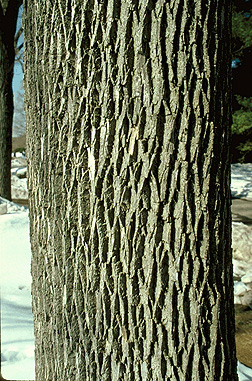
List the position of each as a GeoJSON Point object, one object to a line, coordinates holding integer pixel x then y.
{"type": "Point", "coordinates": [8, 19]}
{"type": "Point", "coordinates": [128, 126]}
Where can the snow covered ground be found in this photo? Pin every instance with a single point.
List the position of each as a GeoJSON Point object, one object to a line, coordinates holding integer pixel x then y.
{"type": "Point", "coordinates": [17, 339]}
{"type": "Point", "coordinates": [241, 180]}
{"type": "Point", "coordinates": [17, 342]}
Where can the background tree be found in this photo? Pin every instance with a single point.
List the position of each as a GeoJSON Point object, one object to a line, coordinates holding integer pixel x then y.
{"type": "Point", "coordinates": [242, 81]}
{"type": "Point", "coordinates": [242, 130]}
{"type": "Point", "coordinates": [8, 20]}
{"type": "Point", "coordinates": [128, 124]}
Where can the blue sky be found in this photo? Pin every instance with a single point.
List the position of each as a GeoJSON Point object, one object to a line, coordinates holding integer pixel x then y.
{"type": "Point", "coordinates": [17, 79]}
{"type": "Point", "coordinates": [18, 74]}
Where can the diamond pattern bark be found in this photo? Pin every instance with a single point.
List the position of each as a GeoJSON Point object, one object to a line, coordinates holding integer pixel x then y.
{"type": "Point", "coordinates": [128, 113]}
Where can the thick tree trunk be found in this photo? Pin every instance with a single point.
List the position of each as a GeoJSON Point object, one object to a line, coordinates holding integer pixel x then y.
{"type": "Point", "coordinates": [8, 19]}
{"type": "Point", "coordinates": [128, 116]}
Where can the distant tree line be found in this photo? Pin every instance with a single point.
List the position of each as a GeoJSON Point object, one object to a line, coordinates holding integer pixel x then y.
{"type": "Point", "coordinates": [242, 81]}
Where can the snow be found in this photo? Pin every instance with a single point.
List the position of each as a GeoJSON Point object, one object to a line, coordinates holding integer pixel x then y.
{"type": "Point", "coordinates": [19, 154]}
{"type": "Point", "coordinates": [244, 373]}
{"type": "Point", "coordinates": [17, 340]}
{"type": "Point", "coordinates": [241, 180]}
{"type": "Point", "coordinates": [19, 172]}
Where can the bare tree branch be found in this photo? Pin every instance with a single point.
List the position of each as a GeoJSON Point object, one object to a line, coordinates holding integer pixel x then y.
{"type": "Point", "coordinates": [18, 34]}
{"type": "Point", "coordinates": [18, 53]}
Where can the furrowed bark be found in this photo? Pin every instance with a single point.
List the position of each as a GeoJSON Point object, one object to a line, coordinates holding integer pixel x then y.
{"type": "Point", "coordinates": [128, 124]}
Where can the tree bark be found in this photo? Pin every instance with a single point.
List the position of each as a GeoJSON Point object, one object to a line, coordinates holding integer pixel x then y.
{"type": "Point", "coordinates": [128, 126]}
{"type": "Point", "coordinates": [8, 20]}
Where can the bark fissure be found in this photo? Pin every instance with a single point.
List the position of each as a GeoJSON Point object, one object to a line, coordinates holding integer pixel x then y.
{"type": "Point", "coordinates": [128, 179]}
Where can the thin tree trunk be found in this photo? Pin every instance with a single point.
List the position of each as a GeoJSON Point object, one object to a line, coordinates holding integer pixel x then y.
{"type": "Point", "coordinates": [8, 19]}
{"type": "Point", "coordinates": [6, 114]}
{"type": "Point", "coordinates": [128, 116]}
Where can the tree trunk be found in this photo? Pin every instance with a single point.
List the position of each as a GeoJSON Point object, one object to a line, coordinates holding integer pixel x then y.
{"type": "Point", "coordinates": [8, 19]}
{"type": "Point", "coordinates": [128, 124]}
